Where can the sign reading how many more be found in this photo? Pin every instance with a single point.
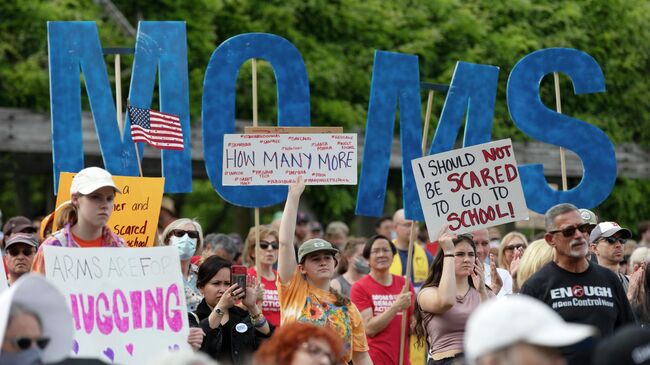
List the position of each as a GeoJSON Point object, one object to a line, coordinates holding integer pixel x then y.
{"type": "Point", "coordinates": [278, 159]}
{"type": "Point", "coordinates": [135, 211]}
{"type": "Point", "coordinates": [128, 306]}
{"type": "Point", "coordinates": [470, 188]}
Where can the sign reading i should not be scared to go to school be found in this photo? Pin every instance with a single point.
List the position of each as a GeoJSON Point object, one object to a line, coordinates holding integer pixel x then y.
{"type": "Point", "coordinates": [278, 159]}
{"type": "Point", "coordinates": [135, 211]}
{"type": "Point", "coordinates": [470, 188]}
{"type": "Point", "coordinates": [128, 306]}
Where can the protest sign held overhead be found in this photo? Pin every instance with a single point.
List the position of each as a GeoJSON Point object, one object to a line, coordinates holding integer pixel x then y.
{"type": "Point", "coordinates": [127, 305]}
{"type": "Point", "coordinates": [3, 279]}
{"type": "Point", "coordinates": [470, 188]}
{"type": "Point", "coordinates": [278, 159]}
{"type": "Point", "coordinates": [135, 211]}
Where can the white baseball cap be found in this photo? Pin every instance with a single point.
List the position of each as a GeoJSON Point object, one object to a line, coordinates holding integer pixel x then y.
{"type": "Point", "coordinates": [90, 179]}
{"type": "Point", "coordinates": [35, 293]}
{"type": "Point", "coordinates": [608, 229]}
{"type": "Point", "coordinates": [505, 321]}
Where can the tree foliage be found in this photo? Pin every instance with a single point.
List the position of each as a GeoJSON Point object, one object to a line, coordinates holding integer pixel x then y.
{"type": "Point", "coordinates": [337, 40]}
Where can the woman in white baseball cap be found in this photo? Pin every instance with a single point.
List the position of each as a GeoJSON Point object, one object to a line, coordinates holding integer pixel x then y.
{"type": "Point", "coordinates": [90, 207]}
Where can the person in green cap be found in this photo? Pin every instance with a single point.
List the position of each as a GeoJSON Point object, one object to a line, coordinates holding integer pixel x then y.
{"type": "Point", "coordinates": [304, 286]}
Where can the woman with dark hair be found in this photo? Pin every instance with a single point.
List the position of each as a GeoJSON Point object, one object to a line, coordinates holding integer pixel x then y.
{"type": "Point", "coordinates": [304, 287]}
{"type": "Point", "coordinates": [454, 288]}
{"type": "Point", "coordinates": [299, 344]}
{"type": "Point", "coordinates": [232, 322]}
{"type": "Point", "coordinates": [382, 303]}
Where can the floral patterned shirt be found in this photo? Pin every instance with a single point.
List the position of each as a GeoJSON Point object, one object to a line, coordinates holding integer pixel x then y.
{"type": "Point", "coordinates": [302, 302]}
{"type": "Point", "coordinates": [192, 294]}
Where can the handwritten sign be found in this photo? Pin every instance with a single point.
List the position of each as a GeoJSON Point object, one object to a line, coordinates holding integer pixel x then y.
{"type": "Point", "coordinates": [127, 305]}
{"type": "Point", "coordinates": [3, 277]}
{"type": "Point", "coordinates": [470, 188]}
{"type": "Point", "coordinates": [278, 159]}
{"type": "Point", "coordinates": [135, 211]}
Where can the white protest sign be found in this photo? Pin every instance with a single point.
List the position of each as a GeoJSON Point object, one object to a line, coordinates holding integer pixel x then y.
{"type": "Point", "coordinates": [278, 159]}
{"type": "Point", "coordinates": [128, 305]}
{"type": "Point", "coordinates": [3, 276]}
{"type": "Point", "coordinates": [470, 188]}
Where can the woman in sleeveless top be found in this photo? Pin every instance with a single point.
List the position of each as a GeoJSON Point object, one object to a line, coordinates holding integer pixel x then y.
{"type": "Point", "coordinates": [353, 266]}
{"type": "Point", "coordinates": [454, 288]}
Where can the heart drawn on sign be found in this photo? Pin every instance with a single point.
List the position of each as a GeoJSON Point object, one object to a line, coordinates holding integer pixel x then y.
{"type": "Point", "coordinates": [75, 347]}
{"type": "Point", "coordinates": [109, 353]}
{"type": "Point", "coordinates": [129, 349]}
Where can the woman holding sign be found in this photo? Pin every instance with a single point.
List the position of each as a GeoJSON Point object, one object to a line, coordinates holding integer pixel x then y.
{"type": "Point", "coordinates": [304, 287]}
{"type": "Point", "coordinates": [228, 315]}
{"type": "Point", "coordinates": [454, 288]}
{"type": "Point", "coordinates": [85, 216]}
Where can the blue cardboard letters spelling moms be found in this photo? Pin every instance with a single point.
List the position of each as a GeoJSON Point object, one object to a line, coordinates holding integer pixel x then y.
{"type": "Point", "coordinates": [161, 46]}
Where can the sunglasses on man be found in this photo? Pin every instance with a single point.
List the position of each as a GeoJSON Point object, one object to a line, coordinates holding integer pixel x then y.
{"type": "Point", "coordinates": [15, 251]}
{"type": "Point", "coordinates": [613, 240]}
{"type": "Point", "coordinates": [24, 343]}
{"type": "Point", "coordinates": [570, 231]}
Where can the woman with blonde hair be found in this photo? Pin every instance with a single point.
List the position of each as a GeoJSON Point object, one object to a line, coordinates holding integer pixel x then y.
{"type": "Point", "coordinates": [187, 236]}
{"type": "Point", "coordinates": [85, 216]}
{"type": "Point", "coordinates": [511, 249]}
{"type": "Point", "coordinates": [538, 254]}
{"type": "Point", "coordinates": [268, 256]}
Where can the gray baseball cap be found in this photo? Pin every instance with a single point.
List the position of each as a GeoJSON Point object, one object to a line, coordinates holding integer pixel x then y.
{"type": "Point", "coordinates": [315, 245]}
{"type": "Point", "coordinates": [608, 229]}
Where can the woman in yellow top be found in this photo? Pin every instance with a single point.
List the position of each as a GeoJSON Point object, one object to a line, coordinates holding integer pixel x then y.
{"type": "Point", "coordinates": [304, 287]}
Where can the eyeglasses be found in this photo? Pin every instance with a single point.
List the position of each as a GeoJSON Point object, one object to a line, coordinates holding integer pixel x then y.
{"type": "Point", "coordinates": [24, 343]}
{"type": "Point", "coordinates": [517, 246]}
{"type": "Point", "coordinates": [29, 230]}
{"type": "Point", "coordinates": [570, 231]}
{"type": "Point", "coordinates": [316, 351]}
{"type": "Point", "coordinates": [181, 233]}
{"type": "Point", "coordinates": [15, 251]}
{"type": "Point", "coordinates": [264, 245]}
{"type": "Point", "coordinates": [613, 240]}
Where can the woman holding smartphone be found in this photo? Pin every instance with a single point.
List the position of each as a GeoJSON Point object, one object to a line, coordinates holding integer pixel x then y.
{"type": "Point", "coordinates": [454, 288]}
{"type": "Point", "coordinates": [304, 286]}
{"type": "Point", "coordinates": [228, 316]}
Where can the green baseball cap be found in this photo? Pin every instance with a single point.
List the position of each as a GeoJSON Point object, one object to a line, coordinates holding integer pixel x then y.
{"type": "Point", "coordinates": [315, 245]}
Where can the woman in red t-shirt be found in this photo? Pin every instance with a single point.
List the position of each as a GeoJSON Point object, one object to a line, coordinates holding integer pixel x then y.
{"type": "Point", "coordinates": [268, 257]}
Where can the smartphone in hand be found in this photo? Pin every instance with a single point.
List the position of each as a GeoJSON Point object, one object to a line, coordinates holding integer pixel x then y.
{"type": "Point", "coordinates": [238, 275]}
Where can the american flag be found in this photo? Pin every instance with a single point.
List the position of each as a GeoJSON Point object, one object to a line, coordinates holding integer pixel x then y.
{"type": "Point", "coordinates": [159, 130]}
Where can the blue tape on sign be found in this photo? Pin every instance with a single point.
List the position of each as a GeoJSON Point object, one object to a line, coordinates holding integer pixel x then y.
{"type": "Point", "coordinates": [536, 120]}
{"type": "Point", "coordinates": [71, 45]}
{"type": "Point", "coordinates": [395, 79]}
{"type": "Point", "coordinates": [75, 44]}
{"type": "Point", "coordinates": [163, 45]}
{"type": "Point", "coordinates": [219, 105]}
{"type": "Point", "coordinates": [472, 92]}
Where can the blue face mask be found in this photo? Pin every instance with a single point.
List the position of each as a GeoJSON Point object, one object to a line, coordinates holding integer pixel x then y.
{"type": "Point", "coordinates": [185, 245]}
{"type": "Point", "coordinates": [31, 356]}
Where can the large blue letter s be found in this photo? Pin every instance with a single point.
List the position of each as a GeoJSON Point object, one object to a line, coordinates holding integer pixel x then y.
{"type": "Point", "coordinates": [531, 116]}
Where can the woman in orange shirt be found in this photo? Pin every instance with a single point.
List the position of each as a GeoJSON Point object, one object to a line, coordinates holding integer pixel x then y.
{"type": "Point", "coordinates": [91, 204]}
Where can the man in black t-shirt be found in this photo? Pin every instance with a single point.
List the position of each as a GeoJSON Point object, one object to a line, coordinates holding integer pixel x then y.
{"type": "Point", "coordinates": [579, 291]}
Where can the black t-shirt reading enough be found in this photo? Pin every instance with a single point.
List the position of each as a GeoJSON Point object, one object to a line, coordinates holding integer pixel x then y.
{"type": "Point", "coordinates": [594, 297]}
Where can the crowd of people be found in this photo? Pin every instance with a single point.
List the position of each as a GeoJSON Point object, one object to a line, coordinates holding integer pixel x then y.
{"type": "Point", "coordinates": [578, 294]}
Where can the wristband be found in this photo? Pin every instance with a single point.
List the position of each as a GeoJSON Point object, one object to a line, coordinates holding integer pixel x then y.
{"type": "Point", "coordinates": [260, 324]}
{"type": "Point", "coordinates": [449, 255]}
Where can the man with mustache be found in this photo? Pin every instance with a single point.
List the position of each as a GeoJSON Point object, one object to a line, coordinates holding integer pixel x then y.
{"type": "Point", "coordinates": [579, 291]}
{"type": "Point", "coordinates": [607, 241]}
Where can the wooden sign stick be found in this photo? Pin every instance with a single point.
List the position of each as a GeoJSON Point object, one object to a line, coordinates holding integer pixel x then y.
{"type": "Point", "coordinates": [412, 235]}
{"type": "Point", "coordinates": [258, 249]}
{"type": "Point", "coordinates": [558, 107]}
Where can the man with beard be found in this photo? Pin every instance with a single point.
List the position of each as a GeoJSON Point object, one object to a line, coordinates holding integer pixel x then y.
{"type": "Point", "coordinates": [579, 291]}
{"type": "Point", "coordinates": [607, 241]}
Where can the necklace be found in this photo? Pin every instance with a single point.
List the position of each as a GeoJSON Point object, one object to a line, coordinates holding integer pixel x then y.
{"type": "Point", "coordinates": [460, 299]}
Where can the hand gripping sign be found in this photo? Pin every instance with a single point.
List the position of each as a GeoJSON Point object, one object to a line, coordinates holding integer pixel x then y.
{"type": "Point", "coordinates": [470, 188]}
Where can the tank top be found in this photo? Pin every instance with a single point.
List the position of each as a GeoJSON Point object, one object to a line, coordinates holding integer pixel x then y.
{"type": "Point", "coordinates": [445, 331]}
{"type": "Point", "coordinates": [345, 286]}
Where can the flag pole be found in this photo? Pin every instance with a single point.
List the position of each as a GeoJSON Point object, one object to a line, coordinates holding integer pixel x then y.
{"type": "Point", "coordinates": [137, 153]}
{"type": "Point", "coordinates": [258, 249]}
{"type": "Point", "coordinates": [558, 107]}
{"type": "Point", "coordinates": [412, 237]}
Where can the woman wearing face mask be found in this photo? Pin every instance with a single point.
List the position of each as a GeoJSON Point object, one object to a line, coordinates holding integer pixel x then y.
{"type": "Point", "coordinates": [187, 236]}
{"type": "Point", "coordinates": [382, 304]}
{"type": "Point", "coordinates": [353, 266]}
{"type": "Point", "coordinates": [304, 287]}
{"type": "Point", "coordinates": [85, 216]}
{"type": "Point", "coordinates": [35, 331]}
{"type": "Point", "coordinates": [233, 324]}
{"type": "Point", "coordinates": [268, 257]}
